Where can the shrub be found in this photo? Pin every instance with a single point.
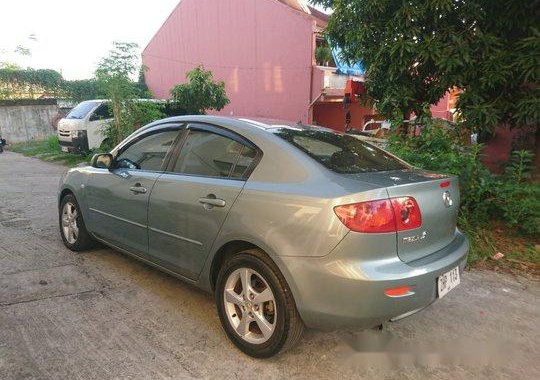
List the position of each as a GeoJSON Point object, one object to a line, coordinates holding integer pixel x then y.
{"type": "Point", "coordinates": [511, 198]}
{"type": "Point", "coordinates": [135, 115]}
{"type": "Point", "coordinates": [84, 89]}
{"type": "Point", "coordinates": [323, 55]}
{"type": "Point", "coordinates": [517, 201]}
{"type": "Point", "coordinates": [200, 94]}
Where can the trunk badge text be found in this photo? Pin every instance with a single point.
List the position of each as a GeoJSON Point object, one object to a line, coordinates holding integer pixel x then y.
{"type": "Point", "coordinates": [415, 238]}
{"type": "Point", "coordinates": [447, 199]}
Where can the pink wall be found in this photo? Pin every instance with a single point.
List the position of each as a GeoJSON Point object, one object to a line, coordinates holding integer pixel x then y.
{"type": "Point", "coordinates": [440, 110]}
{"type": "Point", "coordinates": [262, 50]}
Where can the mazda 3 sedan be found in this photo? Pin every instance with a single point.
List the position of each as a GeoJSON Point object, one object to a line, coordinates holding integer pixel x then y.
{"type": "Point", "coordinates": [287, 225]}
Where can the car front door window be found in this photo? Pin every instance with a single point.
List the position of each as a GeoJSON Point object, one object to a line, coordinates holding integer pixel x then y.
{"type": "Point", "coordinates": [103, 112]}
{"type": "Point", "coordinates": [148, 153]}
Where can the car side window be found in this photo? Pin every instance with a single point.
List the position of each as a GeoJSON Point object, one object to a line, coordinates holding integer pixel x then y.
{"type": "Point", "coordinates": [147, 153]}
{"type": "Point", "coordinates": [103, 112]}
{"type": "Point", "coordinates": [212, 155]}
{"type": "Point", "coordinates": [247, 155]}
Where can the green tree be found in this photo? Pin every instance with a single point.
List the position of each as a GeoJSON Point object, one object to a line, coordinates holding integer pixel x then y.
{"type": "Point", "coordinates": [142, 88]}
{"type": "Point", "coordinates": [415, 50]}
{"type": "Point", "coordinates": [323, 55]}
{"type": "Point", "coordinates": [200, 93]}
{"type": "Point", "coordinates": [113, 75]}
{"type": "Point", "coordinates": [83, 89]}
{"type": "Point", "coordinates": [29, 83]}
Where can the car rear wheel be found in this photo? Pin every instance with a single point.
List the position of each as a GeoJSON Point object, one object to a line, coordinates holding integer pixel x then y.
{"type": "Point", "coordinates": [72, 227]}
{"type": "Point", "coordinates": [256, 306]}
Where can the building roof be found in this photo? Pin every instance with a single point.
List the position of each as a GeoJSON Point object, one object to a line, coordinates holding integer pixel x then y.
{"type": "Point", "coordinates": [301, 5]}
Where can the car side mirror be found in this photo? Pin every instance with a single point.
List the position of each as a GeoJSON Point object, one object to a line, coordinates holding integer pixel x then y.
{"type": "Point", "coordinates": [102, 161]}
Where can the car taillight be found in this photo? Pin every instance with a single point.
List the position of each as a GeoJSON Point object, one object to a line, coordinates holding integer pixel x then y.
{"type": "Point", "coordinates": [386, 215]}
{"type": "Point", "coordinates": [407, 213]}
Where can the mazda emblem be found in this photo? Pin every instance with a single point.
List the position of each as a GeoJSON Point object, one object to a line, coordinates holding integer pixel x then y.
{"type": "Point", "coordinates": [447, 199]}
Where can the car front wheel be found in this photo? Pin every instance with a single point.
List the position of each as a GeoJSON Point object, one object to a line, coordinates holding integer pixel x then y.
{"type": "Point", "coordinates": [72, 227]}
{"type": "Point", "coordinates": [256, 306]}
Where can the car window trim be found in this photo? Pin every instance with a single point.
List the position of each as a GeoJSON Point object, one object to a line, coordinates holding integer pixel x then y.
{"type": "Point", "coordinates": [162, 128]}
{"type": "Point", "coordinates": [221, 131]}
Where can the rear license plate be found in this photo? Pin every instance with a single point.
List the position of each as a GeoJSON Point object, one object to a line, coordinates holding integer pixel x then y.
{"type": "Point", "coordinates": [448, 281]}
{"type": "Point", "coordinates": [65, 149]}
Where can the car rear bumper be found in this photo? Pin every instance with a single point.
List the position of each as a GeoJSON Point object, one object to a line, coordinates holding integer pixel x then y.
{"type": "Point", "coordinates": [343, 290]}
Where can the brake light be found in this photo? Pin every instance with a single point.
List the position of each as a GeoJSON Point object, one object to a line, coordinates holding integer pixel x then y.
{"type": "Point", "coordinates": [445, 184]}
{"type": "Point", "coordinates": [408, 216]}
{"type": "Point", "coordinates": [385, 215]}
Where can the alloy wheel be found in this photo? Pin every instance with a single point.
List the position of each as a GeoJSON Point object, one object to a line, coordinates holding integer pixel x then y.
{"type": "Point", "coordinates": [250, 305]}
{"type": "Point", "coordinates": [70, 229]}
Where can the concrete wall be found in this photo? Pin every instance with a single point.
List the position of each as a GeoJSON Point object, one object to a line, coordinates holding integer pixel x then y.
{"type": "Point", "coordinates": [19, 123]}
{"type": "Point", "coordinates": [262, 50]}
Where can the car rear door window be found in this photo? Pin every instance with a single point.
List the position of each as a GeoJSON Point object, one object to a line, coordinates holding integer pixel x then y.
{"type": "Point", "coordinates": [244, 163]}
{"type": "Point", "coordinates": [148, 153]}
{"type": "Point", "coordinates": [212, 155]}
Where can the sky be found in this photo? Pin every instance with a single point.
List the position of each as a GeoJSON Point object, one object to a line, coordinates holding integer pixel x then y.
{"type": "Point", "coordinates": [70, 36]}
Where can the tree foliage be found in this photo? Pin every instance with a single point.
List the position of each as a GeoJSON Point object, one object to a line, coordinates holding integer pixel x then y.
{"type": "Point", "coordinates": [83, 89]}
{"type": "Point", "coordinates": [415, 50]}
{"type": "Point", "coordinates": [323, 55]}
{"type": "Point", "coordinates": [200, 93]}
{"type": "Point", "coordinates": [113, 75]}
{"type": "Point", "coordinates": [16, 83]}
{"type": "Point", "coordinates": [29, 83]}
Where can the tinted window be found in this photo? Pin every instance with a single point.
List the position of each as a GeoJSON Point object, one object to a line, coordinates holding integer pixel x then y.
{"type": "Point", "coordinates": [340, 153]}
{"type": "Point", "coordinates": [81, 110]}
{"type": "Point", "coordinates": [212, 155]}
{"type": "Point", "coordinates": [103, 112]}
{"type": "Point", "coordinates": [241, 169]}
{"type": "Point", "coordinates": [148, 153]}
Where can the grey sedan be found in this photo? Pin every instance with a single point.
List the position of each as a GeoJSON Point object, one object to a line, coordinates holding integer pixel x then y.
{"type": "Point", "coordinates": [287, 225]}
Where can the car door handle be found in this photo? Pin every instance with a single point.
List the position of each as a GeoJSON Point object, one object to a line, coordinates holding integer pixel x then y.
{"type": "Point", "coordinates": [138, 189]}
{"type": "Point", "coordinates": [212, 201]}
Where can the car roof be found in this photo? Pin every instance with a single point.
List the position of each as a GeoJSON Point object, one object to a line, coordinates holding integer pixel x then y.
{"type": "Point", "coordinates": [265, 124]}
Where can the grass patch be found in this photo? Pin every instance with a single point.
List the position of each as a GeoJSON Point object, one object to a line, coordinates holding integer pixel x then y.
{"type": "Point", "coordinates": [520, 252]}
{"type": "Point", "coordinates": [49, 150]}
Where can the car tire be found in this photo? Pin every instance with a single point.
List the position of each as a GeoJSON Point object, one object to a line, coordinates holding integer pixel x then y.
{"type": "Point", "coordinates": [274, 324]}
{"type": "Point", "coordinates": [72, 228]}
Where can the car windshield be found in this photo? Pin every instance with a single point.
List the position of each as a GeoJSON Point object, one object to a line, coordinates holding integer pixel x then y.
{"type": "Point", "coordinates": [81, 110]}
{"type": "Point", "coordinates": [339, 152]}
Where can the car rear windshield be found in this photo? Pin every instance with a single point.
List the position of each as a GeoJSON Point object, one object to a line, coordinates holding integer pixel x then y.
{"type": "Point", "coordinates": [81, 110]}
{"type": "Point", "coordinates": [339, 152]}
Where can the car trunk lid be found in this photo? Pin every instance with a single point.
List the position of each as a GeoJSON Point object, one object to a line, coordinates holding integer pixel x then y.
{"type": "Point", "coordinates": [438, 198]}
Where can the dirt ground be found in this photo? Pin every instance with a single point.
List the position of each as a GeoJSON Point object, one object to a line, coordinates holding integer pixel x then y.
{"type": "Point", "coordinates": [102, 315]}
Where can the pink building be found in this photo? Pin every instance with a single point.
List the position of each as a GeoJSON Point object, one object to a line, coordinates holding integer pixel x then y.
{"type": "Point", "coordinates": [264, 50]}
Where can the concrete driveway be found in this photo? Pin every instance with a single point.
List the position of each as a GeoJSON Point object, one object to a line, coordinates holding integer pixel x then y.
{"type": "Point", "coordinates": [101, 315]}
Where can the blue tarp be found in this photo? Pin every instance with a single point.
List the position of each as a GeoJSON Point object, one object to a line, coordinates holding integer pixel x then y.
{"type": "Point", "coordinates": [343, 67]}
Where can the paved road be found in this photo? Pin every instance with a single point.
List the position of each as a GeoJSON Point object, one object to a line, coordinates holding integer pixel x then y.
{"type": "Point", "coordinates": [101, 315]}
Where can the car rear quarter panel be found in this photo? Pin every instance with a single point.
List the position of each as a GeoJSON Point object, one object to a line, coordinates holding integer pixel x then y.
{"type": "Point", "coordinates": [288, 202]}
